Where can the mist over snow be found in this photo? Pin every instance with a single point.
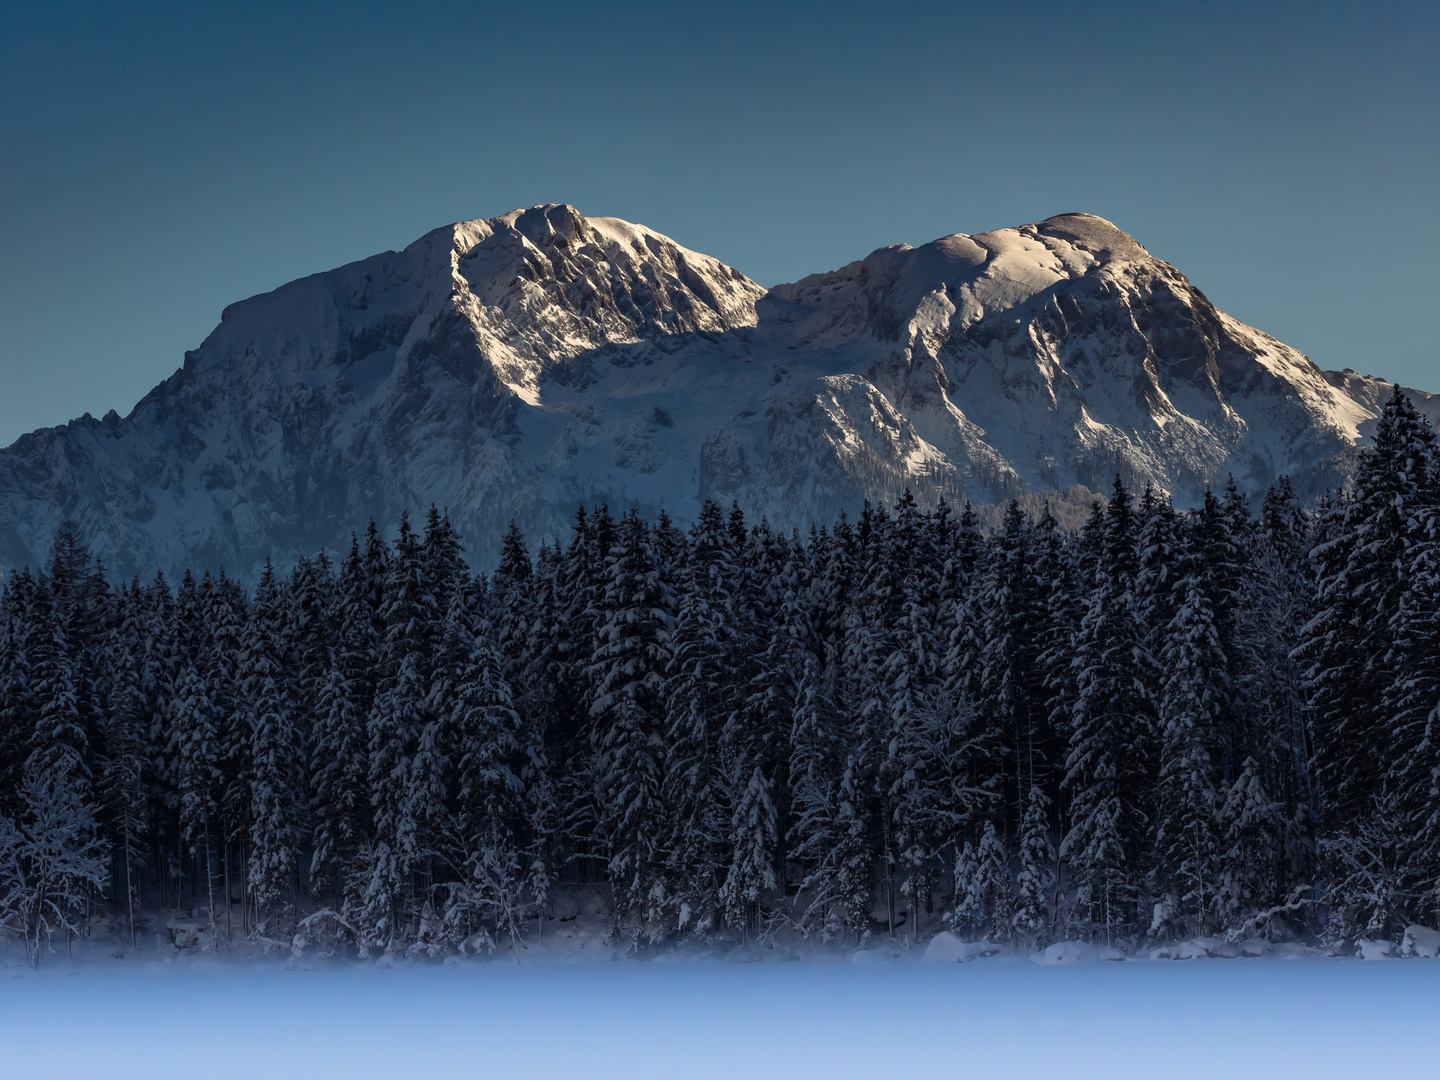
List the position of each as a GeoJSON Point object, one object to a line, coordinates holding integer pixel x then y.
{"type": "Point", "coordinates": [1258, 1019]}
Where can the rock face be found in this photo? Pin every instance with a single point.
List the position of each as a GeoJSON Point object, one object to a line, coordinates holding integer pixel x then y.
{"type": "Point", "coordinates": [517, 366]}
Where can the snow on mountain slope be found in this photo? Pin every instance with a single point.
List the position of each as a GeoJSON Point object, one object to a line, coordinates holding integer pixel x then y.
{"type": "Point", "coordinates": [516, 366]}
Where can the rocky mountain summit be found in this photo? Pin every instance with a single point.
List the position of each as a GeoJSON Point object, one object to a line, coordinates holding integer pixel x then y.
{"type": "Point", "coordinates": [514, 367]}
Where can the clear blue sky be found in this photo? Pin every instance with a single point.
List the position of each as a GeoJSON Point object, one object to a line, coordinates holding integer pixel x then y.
{"type": "Point", "coordinates": [160, 162]}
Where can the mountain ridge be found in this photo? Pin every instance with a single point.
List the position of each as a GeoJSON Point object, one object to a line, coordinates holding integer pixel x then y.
{"type": "Point", "coordinates": [516, 366]}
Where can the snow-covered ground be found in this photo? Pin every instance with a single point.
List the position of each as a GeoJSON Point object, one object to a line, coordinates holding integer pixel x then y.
{"type": "Point", "coordinates": [1276, 1016]}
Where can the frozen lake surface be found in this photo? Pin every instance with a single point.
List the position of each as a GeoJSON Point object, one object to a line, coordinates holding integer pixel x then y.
{"type": "Point", "coordinates": [991, 1018]}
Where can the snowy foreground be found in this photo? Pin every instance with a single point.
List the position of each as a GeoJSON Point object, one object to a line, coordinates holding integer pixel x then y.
{"type": "Point", "coordinates": [1280, 1015]}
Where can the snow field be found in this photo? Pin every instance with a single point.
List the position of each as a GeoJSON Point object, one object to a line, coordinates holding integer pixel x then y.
{"type": "Point", "coordinates": [1002, 1017]}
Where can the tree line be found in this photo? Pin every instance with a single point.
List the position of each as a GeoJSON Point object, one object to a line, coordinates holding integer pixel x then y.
{"type": "Point", "coordinates": [1164, 724]}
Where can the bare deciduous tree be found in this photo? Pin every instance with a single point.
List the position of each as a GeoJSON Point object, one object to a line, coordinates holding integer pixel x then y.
{"type": "Point", "coordinates": [52, 861]}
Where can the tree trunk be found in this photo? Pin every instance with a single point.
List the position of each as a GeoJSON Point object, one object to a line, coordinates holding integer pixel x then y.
{"type": "Point", "coordinates": [229, 932]}
{"type": "Point", "coordinates": [209, 881]}
{"type": "Point", "coordinates": [129, 895]}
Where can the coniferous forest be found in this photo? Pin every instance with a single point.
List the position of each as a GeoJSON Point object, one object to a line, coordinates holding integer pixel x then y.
{"type": "Point", "coordinates": [1220, 721]}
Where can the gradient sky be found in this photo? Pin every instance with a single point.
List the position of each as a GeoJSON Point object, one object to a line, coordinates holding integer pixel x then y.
{"type": "Point", "coordinates": [159, 162]}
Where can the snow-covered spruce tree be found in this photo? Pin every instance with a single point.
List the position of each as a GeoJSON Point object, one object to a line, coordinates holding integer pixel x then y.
{"type": "Point", "coordinates": [996, 888]}
{"type": "Point", "coordinates": [506, 801]}
{"type": "Point", "coordinates": [1268, 684]}
{"type": "Point", "coordinates": [123, 795]}
{"type": "Point", "coordinates": [367, 599]}
{"type": "Point", "coordinates": [444, 559]}
{"type": "Point", "coordinates": [1252, 860]}
{"type": "Point", "coordinates": [1011, 695]}
{"type": "Point", "coordinates": [585, 606]}
{"type": "Point", "coordinates": [988, 740]}
{"type": "Point", "coordinates": [1191, 702]}
{"type": "Point", "coordinates": [17, 705]}
{"type": "Point", "coordinates": [1328, 650]}
{"type": "Point", "coordinates": [1423, 856]}
{"type": "Point", "coordinates": [159, 666]}
{"type": "Point", "coordinates": [941, 528]}
{"type": "Point", "coordinates": [224, 610]}
{"type": "Point", "coordinates": [1284, 525]}
{"type": "Point", "coordinates": [69, 566]}
{"type": "Point", "coordinates": [1035, 882]}
{"type": "Point", "coordinates": [1061, 599]}
{"type": "Point", "coordinates": [751, 872]}
{"type": "Point", "coordinates": [1161, 562]}
{"type": "Point", "coordinates": [834, 558]}
{"type": "Point", "coordinates": [984, 894]}
{"type": "Point", "coordinates": [339, 768]}
{"type": "Point", "coordinates": [53, 860]}
{"type": "Point", "coordinates": [869, 641]}
{"type": "Point", "coordinates": [1090, 544]}
{"type": "Point", "coordinates": [753, 750]}
{"type": "Point", "coordinates": [835, 890]}
{"type": "Point", "coordinates": [834, 752]}
{"type": "Point", "coordinates": [793, 633]}
{"type": "Point", "coordinates": [668, 541]}
{"type": "Point", "coordinates": [1240, 532]}
{"type": "Point", "coordinates": [632, 651]}
{"type": "Point", "coordinates": [80, 605]}
{"type": "Point", "coordinates": [939, 794]}
{"type": "Point", "coordinates": [159, 656]}
{"type": "Point", "coordinates": [1360, 558]}
{"type": "Point", "coordinates": [967, 551]}
{"type": "Point", "coordinates": [427, 808]}
{"type": "Point", "coordinates": [829, 836]}
{"type": "Point", "coordinates": [309, 602]}
{"type": "Point", "coordinates": [967, 915]}
{"type": "Point", "coordinates": [395, 722]}
{"type": "Point", "coordinates": [339, 794]}
{"type": "Point", "coordinates": [511, 600]}
{"type": "Point", "coordinates": [1217, 545]}
{"type": "Point", "coordinates": [59, 738]}
{"type": "Point", "coordinates": [63, 743]}
{"type": "Point", "coordinates": [1110, 765]}
{"type": "Point", "coordinates": [700, 693]}
{"type": "Point", "coordinates": [960, 602]}
{"type": "Point", "coordinates": [911, 779]}
{"type": "Point", "coordinates": [544, 695]}
{"type": "Point", "coordinates": [277, 756]}
{"type": "Point", "coordinates": [198, 776]}
{"type": "Point", "coordinates": [1412, 663]}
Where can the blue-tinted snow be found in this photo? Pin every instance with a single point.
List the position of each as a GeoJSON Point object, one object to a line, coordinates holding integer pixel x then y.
{"type": "Point", "coordinates": [992, 1018]}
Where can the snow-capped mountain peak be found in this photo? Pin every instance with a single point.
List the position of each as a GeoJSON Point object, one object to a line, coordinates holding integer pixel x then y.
{"type": "Point", "coordinates": [512, 367]}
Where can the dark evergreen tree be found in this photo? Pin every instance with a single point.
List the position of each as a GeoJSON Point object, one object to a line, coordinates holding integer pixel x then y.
{"type": "Point", "coordinates": [717, 726]}
{"type": "Point", "coordinates": [59, 739]}
{"type": "Point", "coordinates": [701, 689]}
{"type": "Point", "coordinates": [1036, 879]}
{"type": "Point", "coordinates": [277, 754]}
{"type": "Point", "coordinates": [17, 703]}
{"type": "Point", "coordinates": [124, 797]}
{"type": "Point", "coordinates": [1191, 707]}
{"type": "Point", "coordinates": [1111, 764]}
{"type": "Point", "coordinates": [340, 804]}
{"type": "Point", "coordinates": [504, 802]}
{"type": "Point", "coordinates": [512, 600]}
{"type": "Point", "coordinates": [1010, 694]}
{"type": "Point", "coordinates": [396, 720]}
{"type": "Point", "coordinates": [1367, 811]}
{"type": "Point", "coordinates": [632, 651]}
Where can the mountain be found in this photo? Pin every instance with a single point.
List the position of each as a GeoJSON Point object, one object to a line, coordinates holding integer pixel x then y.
{"type": "Point", "coordinates": [514, 367]}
